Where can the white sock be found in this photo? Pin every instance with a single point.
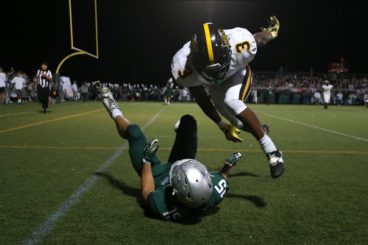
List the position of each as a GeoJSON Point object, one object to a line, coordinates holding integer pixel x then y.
{"type": "Point", "coordinates": [267, 145]}
{"type": "Point", "coordinates": [115, 113]}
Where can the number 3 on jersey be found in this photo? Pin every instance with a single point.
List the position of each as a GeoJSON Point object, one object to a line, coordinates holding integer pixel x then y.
{"type": "Point", "coordinates": [221, 188]}
{"type": "Point", "coordinates": [244, 45]}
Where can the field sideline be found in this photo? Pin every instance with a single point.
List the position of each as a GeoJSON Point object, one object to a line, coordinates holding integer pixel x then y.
{"type": "Point", "coordinates": [65, 177]}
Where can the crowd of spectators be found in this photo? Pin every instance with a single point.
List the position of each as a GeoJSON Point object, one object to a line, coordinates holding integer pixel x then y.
{"type": "Point", "coordinates": [124, 91]}
{"type": "Point", "coordinates": [16, 87]}
{"type": "Point", "coordinates": [304, 88]}
{"type": "Point", "coordinates": [280, 87]}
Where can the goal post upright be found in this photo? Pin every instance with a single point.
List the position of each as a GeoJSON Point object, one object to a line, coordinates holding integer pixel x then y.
{"type": "Point", "coordinates": [79, 51]}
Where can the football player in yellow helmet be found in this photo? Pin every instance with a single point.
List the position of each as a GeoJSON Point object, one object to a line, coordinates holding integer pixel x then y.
{"type": "Point", "coordinates": [214, 65]}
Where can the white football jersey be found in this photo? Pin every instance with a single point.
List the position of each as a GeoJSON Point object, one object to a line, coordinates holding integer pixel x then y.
{"type": "Point", "coordinates": [19, 82]}
{"type": "Point", "coordinates": [3, 79]}
{"type": "Point", "coordinates": [327, 89]}
{"type": "Point", "coordinates": [243, 49]}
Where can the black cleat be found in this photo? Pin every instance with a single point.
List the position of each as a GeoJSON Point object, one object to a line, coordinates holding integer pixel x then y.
{"type": "Point", "coordinates": [276, 164]}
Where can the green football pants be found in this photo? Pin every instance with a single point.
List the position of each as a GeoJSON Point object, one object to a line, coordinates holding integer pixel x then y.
{"type": "Point", "coordinates": [185, 145]}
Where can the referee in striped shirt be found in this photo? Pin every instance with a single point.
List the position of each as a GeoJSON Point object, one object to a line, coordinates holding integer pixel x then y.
{"type": "Point", "coordinates": [44, 79]}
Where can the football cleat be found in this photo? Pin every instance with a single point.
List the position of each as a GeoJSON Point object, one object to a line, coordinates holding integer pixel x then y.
{"type": "Point", "coordinates": [108, 100]}
{"type": "Point", "coordinates": [276, 163]}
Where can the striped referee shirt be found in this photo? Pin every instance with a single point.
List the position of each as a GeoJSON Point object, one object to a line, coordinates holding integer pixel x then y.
{"type": "Point", "coordinates": [43, 82]}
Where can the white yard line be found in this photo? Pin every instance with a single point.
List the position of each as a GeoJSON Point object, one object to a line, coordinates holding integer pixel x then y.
{"type": "Point", "coordinates": [43, 229]}
{"type": "Point", "coordinates": [315, 127]}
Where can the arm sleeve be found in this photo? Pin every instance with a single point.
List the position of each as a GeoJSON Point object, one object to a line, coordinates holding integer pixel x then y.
{"type": "Point", "coordinates": [156, 204]}
{"type": "Point", "coordinates": [159, 207]}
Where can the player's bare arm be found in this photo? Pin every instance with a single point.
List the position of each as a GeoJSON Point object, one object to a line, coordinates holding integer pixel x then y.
{"type": "Point", "coordinates": [262, 38]}
{"type": "Point", "coordinates": [147, 182]}
{"type": "Point", "coordinates": [269, 33]}
{"type": "Point", "coordinates": [204, 102]}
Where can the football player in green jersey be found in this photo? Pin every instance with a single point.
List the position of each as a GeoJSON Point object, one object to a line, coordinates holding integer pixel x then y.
{"type": "Point", "coordinates": [181, 188]}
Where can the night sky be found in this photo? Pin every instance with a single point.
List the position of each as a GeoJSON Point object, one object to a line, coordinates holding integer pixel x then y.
{"type": "Point", "coordinates": [139, 38]}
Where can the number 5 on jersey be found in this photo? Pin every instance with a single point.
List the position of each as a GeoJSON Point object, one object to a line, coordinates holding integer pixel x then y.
{"type": "Point", "coordinates": [221, 188]}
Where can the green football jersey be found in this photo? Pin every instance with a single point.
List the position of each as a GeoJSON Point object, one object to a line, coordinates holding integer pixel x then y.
{"type": "Point", "coordinates": [162, 204]}
{"type": "Point", "coordinates": [220, 187]}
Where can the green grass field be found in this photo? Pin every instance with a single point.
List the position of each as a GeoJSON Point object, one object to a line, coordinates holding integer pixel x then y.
{"type": "Point", "coordinates": [321, 199]}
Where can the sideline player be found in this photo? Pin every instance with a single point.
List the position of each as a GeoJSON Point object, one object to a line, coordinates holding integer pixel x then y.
{"type": "Point", "coordinates": [181, 188]}
{"type": "Point", "coordinates": [327, 87]}
{"type": "Point", "coordinates": [169, 92]}
{"type": "Point", "coordinates": [214, 66]}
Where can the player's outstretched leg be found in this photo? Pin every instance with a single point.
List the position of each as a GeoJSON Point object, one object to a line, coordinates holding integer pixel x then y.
{"type": "Point", "coordinates": [274, 156]}
{"type": "Point", "coordinates": [131, 132]}
{"type": "Point", "coordinates": [265, 127]}
{"type": "Point", "coordinates": [112, 107]}
{"type": "Point", "coordinates": [186, 140]}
